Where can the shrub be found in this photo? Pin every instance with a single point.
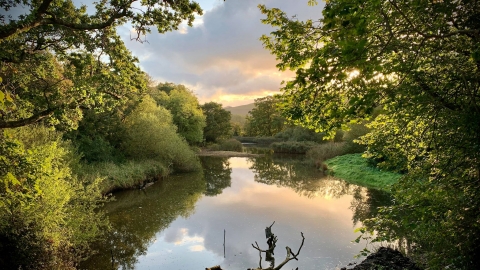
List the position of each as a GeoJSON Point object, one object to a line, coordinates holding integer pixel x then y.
{"type": "Point", "coordinates": [258, 140]}
{"type": "Point", "coordinates": [350, 138]}
{"type": "Point", "coordinates": [151, 134]}
{"type": "Point", "coordinates": [48, 216]}
{"type": "Point", "coordinates": [227, 145]}
{"type": "Point", "coordinates": [292, 147]}
{"type": "Point", "coordinates": [300, 134]}
{"type": "Point", "coordinates": [322, 152]}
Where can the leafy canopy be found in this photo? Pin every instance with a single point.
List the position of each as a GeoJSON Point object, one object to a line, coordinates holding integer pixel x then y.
{"type": "Point", "coordinates": [218, 124]}
{"type": "Point", "coordinates": [59, 58]}
{"type": "Point", "coordinates": [419, 61]}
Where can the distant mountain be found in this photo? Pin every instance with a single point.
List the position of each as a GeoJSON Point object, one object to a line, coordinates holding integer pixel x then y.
{"type": "Point", "coordinates": [240, 110]}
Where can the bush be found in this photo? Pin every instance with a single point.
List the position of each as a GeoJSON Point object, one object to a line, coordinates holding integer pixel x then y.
{"type": "Point", "coordinates": [300, 134]}
{"type": "Point", "coordinates": [48, 216]}
{"type": "Point", "coordinates": [258, 140]}
{"type": "Point", "coordinates": [227, 145]}
{"type": "Point", "coordinates": [350, 138]}
{"type": "Point", "coordinates": [152, 135]}
{"type": "Point", "coordinates": [292, 147]}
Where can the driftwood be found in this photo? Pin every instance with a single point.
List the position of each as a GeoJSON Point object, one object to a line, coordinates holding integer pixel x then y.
{"type": "Point", "coordinates": [271, 242]}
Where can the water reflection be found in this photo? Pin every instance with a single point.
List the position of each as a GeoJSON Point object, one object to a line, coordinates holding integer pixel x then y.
{"type": "Point", "coordinates": [294, 173]}
{"type": "Point", "coordinates": [173, 226]}
{"type": "Point", "coordinates": [216, 171]}
{"type": "Point", "coordinates": [136, 217]}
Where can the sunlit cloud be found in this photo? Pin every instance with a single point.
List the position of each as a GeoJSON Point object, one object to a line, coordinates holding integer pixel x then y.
{"type": "Point", "coordinates": [221, 57]}
{"type": "Point", "coordinates": [197, 248]}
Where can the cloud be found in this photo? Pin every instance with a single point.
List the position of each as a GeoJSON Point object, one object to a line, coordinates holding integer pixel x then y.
{"type": "Point", "coordinates": [221, 57]}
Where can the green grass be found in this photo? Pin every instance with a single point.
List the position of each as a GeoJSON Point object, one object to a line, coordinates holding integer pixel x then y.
{"type": "Point", "coordinates": [125, 175]}
{"type": "Point", "coordinates": [354, 168]}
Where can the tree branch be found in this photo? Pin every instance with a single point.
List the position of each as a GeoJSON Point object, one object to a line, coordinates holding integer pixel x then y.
{"type": "Point", "coordinates": [26, 121]}
{"type": "Point", "coordinates": [33, 20]}
{"type": "Point", "coordinates": [290, 252]}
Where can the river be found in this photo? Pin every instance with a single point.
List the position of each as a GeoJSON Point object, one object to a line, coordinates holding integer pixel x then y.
{"type": "Point", "coordinates": [180, 222]}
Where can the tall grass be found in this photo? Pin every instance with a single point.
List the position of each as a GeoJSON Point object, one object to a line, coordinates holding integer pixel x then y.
{"type": "Point", "coordinates": [325, 151]}
{"type": "Point", "coordinates": [123, 176]}
{"type": "Point", "coordinates": [354, 168]}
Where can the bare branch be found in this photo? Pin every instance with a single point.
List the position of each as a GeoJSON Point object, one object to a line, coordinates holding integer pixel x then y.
{"type": "Point", "coordinates": [290, 253]}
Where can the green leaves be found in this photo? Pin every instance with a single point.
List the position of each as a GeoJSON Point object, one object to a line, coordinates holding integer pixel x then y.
{"type": "Point", "coordinates": [417, 62]}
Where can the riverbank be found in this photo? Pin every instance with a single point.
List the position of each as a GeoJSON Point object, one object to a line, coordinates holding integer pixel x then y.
{"type": "Point", "coordinates": [207, 153]}
{"type": "Point", "coordinates": [354, 169]}
{"type": "Point", "coordinates": [385, 258]}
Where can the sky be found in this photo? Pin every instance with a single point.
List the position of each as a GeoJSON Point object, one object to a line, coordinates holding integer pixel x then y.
{"type": "Point", "coordinates": [220, 58]}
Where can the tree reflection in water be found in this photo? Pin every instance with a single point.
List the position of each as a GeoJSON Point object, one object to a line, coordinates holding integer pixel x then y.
{"type": "Point", "coordinates": [217, 174]}
{"type": "Point", "coordinates": [300, 176]}
{"type": "Point", "coordinates": [137, 216]}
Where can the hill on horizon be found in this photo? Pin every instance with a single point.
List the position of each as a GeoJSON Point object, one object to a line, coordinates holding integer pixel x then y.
{"type": "Point", "coordinates": [240, 110]}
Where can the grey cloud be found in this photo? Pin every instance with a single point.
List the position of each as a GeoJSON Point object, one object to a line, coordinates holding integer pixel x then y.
{"type": "Point", "coordinates": [221, 56]}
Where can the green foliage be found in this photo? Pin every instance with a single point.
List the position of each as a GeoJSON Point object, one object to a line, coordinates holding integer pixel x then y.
{"type": "Point", "coordinates": [228, 145]}
{"type": "Point", "coordinates": [185, 109]}
{"type": "Point", "coordinates": [129, 174]}
{"type": "Point", "coordinates": [151, 134]}
{"type": "Point", "coordinates": [48, 216]}
{"type": "Point", "coordinates": [417, 63]}
{"type": "Point", "coordinates": [265, 119]}
{"type": "Point", "coordinates": [258, 140]}
{"type": "Point", "coordinates": [322, 152]}
{"type": "Point", "coordinates": [217, 174]}
{"type": "Point", "coordinates": [58, 57]}
{"type": "Point", "coordinates": [355, 169]}
{"type": "Point", "coordinates": [292, 147]}
{"type": "Point", "coordinates": [350, 137]}
{"type": "Point", "coordinates": [300, 134]}
{"type": "Point", "coordinates": [218, 124]}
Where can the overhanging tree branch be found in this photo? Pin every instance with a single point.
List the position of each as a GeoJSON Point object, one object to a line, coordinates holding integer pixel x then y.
{"type": "Point", "coordinates": [33, 20]}
{"type": "Point", "coordinates": [26, 121]}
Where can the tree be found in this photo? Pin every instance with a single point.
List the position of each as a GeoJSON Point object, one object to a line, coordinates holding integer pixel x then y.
{"type": "Point", "coordinates": [151, 134]}
{"type": "Point", "coordinates": [58, 57]}
{"type": "Point", "coordinates": [218, 124]}
{"type": "Point", "coordinates": [265, 119]}
{"type": "Point", "coordinates": [420, 62]}
{"type": "Point", "coordinates": [185, 109]}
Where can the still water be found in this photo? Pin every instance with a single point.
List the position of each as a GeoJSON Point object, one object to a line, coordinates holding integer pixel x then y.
{"type": "Point", "coordinates": [180, 222]}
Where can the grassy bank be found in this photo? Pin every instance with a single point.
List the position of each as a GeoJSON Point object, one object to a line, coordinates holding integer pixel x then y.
{"type": "Point", "coordinates": [355, 169]}
{"type": "Point", "coordinates": [131, 174]}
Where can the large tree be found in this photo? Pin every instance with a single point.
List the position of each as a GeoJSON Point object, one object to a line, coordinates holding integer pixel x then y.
{"type": "Point", "coordinates": [218, 124]}
{"type": "Point", "coordinates": [265, 118]}
{"type": "Point", "coordinates": [420, 62]}
{"type": "Point", "coordinates": [185, 109]}
{"type": "Point", "coordinates": [58, 57]}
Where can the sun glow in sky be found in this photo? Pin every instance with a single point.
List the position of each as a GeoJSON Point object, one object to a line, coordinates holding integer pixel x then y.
{"type": "Point", "coordinates": [221, 57]}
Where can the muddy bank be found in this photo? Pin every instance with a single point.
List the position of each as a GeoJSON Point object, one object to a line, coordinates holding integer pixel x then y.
{"type": "Point", "coordinates": [385, 258]}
